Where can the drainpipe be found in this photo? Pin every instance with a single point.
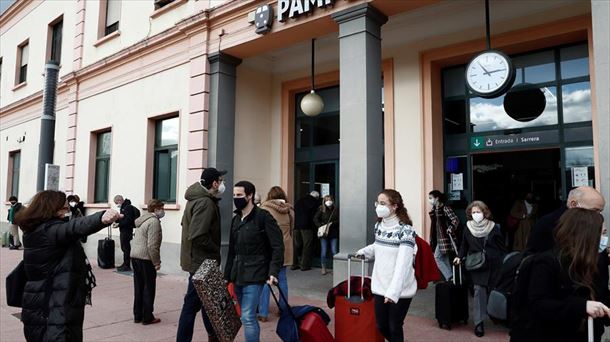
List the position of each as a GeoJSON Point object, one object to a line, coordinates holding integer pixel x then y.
{"type": "Point", "coordinates": [47, 122]}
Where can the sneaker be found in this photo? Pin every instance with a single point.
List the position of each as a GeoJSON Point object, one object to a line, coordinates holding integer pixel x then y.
{"type": "Point", "coordinates": [137, 321]}
{"type": "Point", "coordinates": [154, 321]}
{"type": "Point", "coordinates": [124, 269]}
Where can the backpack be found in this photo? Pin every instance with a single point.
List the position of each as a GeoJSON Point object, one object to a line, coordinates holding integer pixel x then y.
{"type": "Point", "coordinates": [508, 299]}
{"type": "Point", "coordinates": [136, 212]}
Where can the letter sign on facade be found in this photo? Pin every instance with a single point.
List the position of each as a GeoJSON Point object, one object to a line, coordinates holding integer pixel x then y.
{"type": "Point", "coordinates": [288, 9]}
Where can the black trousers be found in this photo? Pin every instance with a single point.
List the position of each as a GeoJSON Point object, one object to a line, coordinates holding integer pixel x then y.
{"type": "Point", "coordinates": [391, 317]}
{"type": "Point", "coordinates": [144, 286]}
{"type": "Point", "coordinates": [303, 247]}
{"type": "Point", "coordinates": [126, 236]}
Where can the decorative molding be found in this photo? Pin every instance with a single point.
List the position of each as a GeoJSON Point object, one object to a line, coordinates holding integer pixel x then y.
{"type": "Point", "coordinates": [107, 38]}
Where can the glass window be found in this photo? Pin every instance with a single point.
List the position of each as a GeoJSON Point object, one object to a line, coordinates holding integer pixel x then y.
{"type": "Point", "coordinates": [326, 130]}
{"type": "Point", "coordinates": [489, 114]}
{"type": "Point", "coordinates": [102, 167]}
{"type": "Point", "coordinates": [166, 160]}
{"type": "Point", "coordinates": [16, 166]}
{"type": "Point", "coordinates": [454, 112]}
{"type": "Point", "coordinates": [579, 166]}
{"type": "Point", "coordinates": [454, 82]}
{"type": "Point", "coordinates": [113, 13]}
{"type": "Point", "coordinates": [301, 180]}
{"type": "Point", "coordinates": [303, 133]}
{"type": "Point", "coordinates": [56, 34]}
{"type": "Point", "coordinates": [535, 68]}
{"type": "Point", "coordinates": [574, 61]}
{"type": "Point", "coordinates": [23, 65]}
{"type": "Point", "coordinates": [576, 98]}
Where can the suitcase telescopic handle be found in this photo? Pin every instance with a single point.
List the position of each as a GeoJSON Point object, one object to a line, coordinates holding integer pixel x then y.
{"type": "Point", "coordinates": [590, 334]}
{"type": "Point", "coordinates": [349, 274]}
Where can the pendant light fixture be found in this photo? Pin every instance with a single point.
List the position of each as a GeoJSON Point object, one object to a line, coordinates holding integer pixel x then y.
{"type": "Point", "coordinates": [312, 104]}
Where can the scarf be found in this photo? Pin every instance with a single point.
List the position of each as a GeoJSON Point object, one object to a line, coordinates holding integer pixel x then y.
{"type": "Point", "coordinates": [480, 229]}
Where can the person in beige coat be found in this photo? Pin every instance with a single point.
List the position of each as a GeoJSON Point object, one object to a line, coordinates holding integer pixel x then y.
{"type": "Point", "coordinates": [283, 213]}
{"type": "Point", "coordinates": [146, 261]}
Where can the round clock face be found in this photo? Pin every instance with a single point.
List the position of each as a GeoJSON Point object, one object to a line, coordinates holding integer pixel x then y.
{"type": "Point", "coordinates": [490, 74]}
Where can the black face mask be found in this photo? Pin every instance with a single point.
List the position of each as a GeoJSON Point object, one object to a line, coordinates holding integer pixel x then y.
{"type": "Point", "coordinates": [240, 202]}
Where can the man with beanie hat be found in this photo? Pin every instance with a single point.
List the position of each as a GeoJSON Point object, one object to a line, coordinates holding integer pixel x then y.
{"type": "Point", "coordinates": [200, 241]}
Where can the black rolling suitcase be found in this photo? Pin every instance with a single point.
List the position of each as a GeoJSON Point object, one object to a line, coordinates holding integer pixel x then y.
{"type": "Point", "coordinates": [105, 251]}
{"type": "Point", "coordinates": [451, 298]}
{"type": "Point", "coordinates": [451, 301]}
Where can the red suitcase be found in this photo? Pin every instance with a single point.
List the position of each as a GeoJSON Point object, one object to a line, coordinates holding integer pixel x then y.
{"type": "Point", "coordinates": [313, 329]}
{"type": "Point", "coordinates": [355, 315]}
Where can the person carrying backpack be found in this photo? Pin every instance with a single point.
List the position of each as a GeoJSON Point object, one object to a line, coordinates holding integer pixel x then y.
{"type": "Point", "coordinates": [556, 290]}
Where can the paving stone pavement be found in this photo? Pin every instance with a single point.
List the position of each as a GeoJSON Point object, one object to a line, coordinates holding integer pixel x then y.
{"type": "Point", "coordinates": [110, 318]}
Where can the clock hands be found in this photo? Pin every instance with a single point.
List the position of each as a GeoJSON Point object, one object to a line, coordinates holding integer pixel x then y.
{"type": "Point", "coordinates": [497, 70]}
{"type": "Point", "coordinates": [484, 70]}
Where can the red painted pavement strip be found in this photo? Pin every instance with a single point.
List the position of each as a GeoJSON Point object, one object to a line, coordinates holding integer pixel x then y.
{"type": "Point", "coordinates": [110, 318]}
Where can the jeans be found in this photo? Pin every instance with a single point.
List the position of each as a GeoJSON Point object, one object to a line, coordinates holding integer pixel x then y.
{"type": "Point", "coordinates": [192, 305]}
{"type": "Point", "coordinates": [144, 285]}
{"type": "Point", "coordinates": [263, 306]}
{"type": "Point", "coordinates": [480, 304]}
{"type": "Point", "coordinates": [444, 263]}
{"type": "Point", "coordinates": [324, 246]}
{"type": "Point", "coordinates": [126, 236]}
{"type": "Point", "coordinates": [248, 297]}
{"type": "Point", "coordinates": [391, 317]}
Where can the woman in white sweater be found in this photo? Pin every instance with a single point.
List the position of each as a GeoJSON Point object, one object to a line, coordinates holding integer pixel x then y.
{"type": "Point", "coordinates": [393, 282]}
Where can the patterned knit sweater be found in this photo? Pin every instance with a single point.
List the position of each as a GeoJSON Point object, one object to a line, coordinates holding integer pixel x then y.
{"type": "Point", "coordinates": [394, 251]}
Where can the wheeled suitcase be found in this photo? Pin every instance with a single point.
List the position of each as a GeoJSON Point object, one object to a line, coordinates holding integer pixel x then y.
{"type": "Point", "coordinates": [105, 251]}
{"type": "Point", "coordinates": [451, 301]}
{"type": "Point", "coordinates": [354, 314]}
{"type": "Point", "coordinates": [212, 290]}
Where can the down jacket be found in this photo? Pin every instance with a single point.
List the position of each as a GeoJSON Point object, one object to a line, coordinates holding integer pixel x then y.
{"type": "Point", "coordinates": [53, 253]}
{"type": "Point", "coordinates": [283, 214]}
{"type": "Point", "coordinates": [146, 243]}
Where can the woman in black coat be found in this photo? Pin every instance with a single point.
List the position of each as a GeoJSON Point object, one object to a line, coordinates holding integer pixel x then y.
{"type": "Point", "coordinates": [59, 276]}
{"type": "Point", "coordinates": [561, 290]}
{"type": "Point", "coordinates": [482, 236]}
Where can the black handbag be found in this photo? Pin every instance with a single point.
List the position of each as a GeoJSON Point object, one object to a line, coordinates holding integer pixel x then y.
{"type": "Point", "coordinates": [476, 261]}
{"type": "Point", "coordinates": [15, 285]}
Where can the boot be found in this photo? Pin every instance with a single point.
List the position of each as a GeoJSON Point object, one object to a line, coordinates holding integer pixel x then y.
{"type": "Point", "coordinates": [324, 272]}
{"type": "Point", "coordinates": [479, 330]}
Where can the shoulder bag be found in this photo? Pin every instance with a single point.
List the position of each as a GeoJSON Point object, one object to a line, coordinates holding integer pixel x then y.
{"type": "Point", "coordinates": [324, 229]}
{"type": "Point", "coordinates": [476, 261]}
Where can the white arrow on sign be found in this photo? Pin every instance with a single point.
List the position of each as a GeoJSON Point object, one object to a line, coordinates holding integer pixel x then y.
{"type": "Point", "coordinates": [476, 143]}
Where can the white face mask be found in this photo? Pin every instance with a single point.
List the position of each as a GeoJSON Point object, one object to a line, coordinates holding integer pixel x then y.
{"type": "Point", "coordinates": [72, 204]}
{"type": "Point", "coordinates": [160, 214]}
{"type": "Point", "coordinates": [603, 243]}
{"type": "Point", "coordinates": [432, 200]}
{"type": "Point", "coordinates": [383, 211]}
{"type": "Point", "coordinates": [477, 217]}
{"type": "Point", "coordinates": [329, 203]}
{"type": "Point", "coordinates": [221, 189]}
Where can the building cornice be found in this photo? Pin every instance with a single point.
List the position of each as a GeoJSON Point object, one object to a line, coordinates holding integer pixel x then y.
{"type": "Point", "coordinates": [12, 10]}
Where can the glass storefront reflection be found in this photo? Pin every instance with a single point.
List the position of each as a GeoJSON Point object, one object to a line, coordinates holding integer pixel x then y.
{"type": "Point", "coordinates": [489, 114]}
{"type": "Point", "coordinates": [574, 61]}
{"type": "Point", "coordinates": [576, 99]}
{"type": "Point", "coordinates": [535, 68]}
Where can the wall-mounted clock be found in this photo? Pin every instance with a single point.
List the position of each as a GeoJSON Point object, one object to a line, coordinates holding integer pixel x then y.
{"type": "Point", "coordinates": [490, 74]}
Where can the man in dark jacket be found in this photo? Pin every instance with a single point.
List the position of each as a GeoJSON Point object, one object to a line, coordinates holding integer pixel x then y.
{"type": "Point", "coordinates": [256, 254]}
{"type": "Point", "coordinates": [200, 241]}
{"type": "Point", "coordinates": [304, 230]}
{"type": "Point", "coordinates": [126, 226]}
{"type": "Point", "coordinates": [541, 238]}
{"type": "Point", "coordinates": [14, 242]}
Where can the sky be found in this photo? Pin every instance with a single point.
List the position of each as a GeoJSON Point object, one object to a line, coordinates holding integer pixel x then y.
{"type": "Point", "coordinates": [4, 4]}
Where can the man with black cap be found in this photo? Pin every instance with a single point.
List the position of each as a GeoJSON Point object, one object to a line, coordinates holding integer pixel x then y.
{"type": "Point", "coordinates": [200, 241]}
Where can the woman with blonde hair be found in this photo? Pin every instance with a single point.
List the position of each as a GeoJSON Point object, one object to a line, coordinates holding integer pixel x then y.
{"type": "Point", "coordinates": [146, 260]}
{"type": "Point", "coordinates": [328, 214]}
{"type": "Point", "coordinates": [481, 252]}
{"type": "Point", "coordinates": [277, 205]}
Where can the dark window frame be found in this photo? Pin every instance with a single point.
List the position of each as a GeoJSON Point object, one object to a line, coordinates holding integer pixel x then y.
{"type": "Point", "coordinates": [98, 196]}
{"type": "Point", "coordinates": [56, 38]}
{"type": "Point", "coordinates": [15, 162]}
{"type": "Point", "coordinates": [160, 150]}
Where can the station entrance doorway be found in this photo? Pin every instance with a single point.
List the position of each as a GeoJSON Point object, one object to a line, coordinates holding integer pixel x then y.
{"type": "Point", "coordinates": [502, 178]}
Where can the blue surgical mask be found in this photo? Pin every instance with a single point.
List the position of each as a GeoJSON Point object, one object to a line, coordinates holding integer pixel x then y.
{"type": "Point", "coordinates": [603, 243]}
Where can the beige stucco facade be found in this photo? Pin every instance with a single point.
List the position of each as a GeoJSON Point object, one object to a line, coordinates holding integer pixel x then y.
{"type": "Point", "coordinates": [157, 65]}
